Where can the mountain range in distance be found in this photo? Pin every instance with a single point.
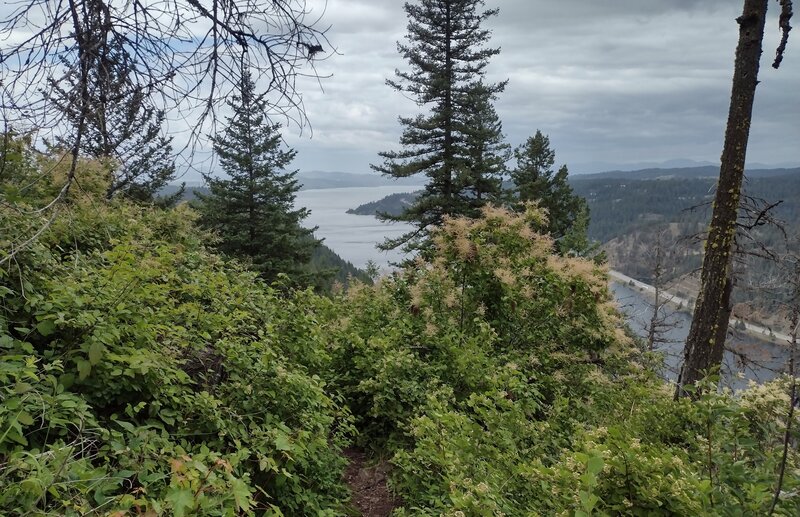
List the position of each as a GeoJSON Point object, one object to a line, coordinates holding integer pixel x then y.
{"type": "Point", "coordinates": [680, 163]}
{"type": "Point", "coordinates": [696, 172]}
{"type": "Point", "coordinates": [311, 180]}
{"type": "Point", "coordinates": [337, 179]}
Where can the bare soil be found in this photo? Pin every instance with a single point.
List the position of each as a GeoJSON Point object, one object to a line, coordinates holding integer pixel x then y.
{"type": "Point", "coordinates": [367, 482]}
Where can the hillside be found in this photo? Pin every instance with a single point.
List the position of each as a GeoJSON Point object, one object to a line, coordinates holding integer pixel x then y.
{"type": "Point", "coordinates": [696, 172]}
{"type": "Point", "coordinates": [632, 213]}
{"type": "Point", "coordinates": [393, 204]}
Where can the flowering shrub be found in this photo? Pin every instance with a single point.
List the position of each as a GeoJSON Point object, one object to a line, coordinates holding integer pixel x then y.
{"type": "Point", "coordinates": [500, 378]}
{"type": "Point", "coordinates": [142, 375]}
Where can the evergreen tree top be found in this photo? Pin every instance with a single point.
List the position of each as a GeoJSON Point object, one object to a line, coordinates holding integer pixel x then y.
{"type": "Point", "coordinates": [457, 142]}
{"type": "Point", "coordinates": [252, 208]}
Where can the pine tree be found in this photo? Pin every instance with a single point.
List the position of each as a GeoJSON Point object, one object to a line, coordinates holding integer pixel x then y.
{"type": "Point", "coordinates": [123, 124]}
{"type": "Point", "coordinates": [447, 57]}
{"type": "Point", "coordinates": [253, 209]}
{"type": "Point", "coordinates": [535, 179]}
{"type": "Point", "coordinates": [487, 152]}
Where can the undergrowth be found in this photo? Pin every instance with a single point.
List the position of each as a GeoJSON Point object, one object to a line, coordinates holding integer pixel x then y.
{"type": "Point", "coordinates": [141, 374]}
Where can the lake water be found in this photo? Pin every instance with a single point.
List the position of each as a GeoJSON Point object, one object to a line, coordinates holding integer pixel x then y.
{"type": "Point", "coordinates": [354, 238]}
{"type": "Point", "coordinates": [747, 358]}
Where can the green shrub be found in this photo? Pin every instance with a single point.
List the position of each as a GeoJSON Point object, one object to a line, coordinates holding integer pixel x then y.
{"type": "Point", "coordinates": [142, 373]}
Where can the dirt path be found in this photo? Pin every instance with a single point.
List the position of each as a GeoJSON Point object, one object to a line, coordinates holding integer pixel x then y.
{"type": "Point", "coordinates": [367, 482]}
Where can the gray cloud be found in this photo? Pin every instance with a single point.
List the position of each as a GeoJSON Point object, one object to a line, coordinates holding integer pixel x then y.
{"type": "Point", "coordinates": [615, 81]}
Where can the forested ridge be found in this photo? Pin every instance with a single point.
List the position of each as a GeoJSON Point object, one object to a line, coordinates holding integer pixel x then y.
{"type": "Point", "coordinates": [633, 214]}
{"type": "Point", "coordinates": [621, 202]}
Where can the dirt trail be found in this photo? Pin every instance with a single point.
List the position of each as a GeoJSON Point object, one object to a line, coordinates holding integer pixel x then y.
{"type": "Point", "coordinates": [367, 482]}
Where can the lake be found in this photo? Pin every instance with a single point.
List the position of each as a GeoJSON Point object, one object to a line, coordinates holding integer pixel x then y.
{"type": "Point", "coordinates": [354, 238]}
{"type": "Point", "coordinates": [747, 357]}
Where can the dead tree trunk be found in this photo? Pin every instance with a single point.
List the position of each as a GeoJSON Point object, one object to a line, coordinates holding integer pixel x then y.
{"type": "Point", "coordinates": [706, 340]}
{"type": "Point", "coordinates": [660, 323]}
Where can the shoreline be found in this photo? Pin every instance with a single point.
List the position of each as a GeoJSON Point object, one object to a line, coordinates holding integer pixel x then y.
{"type": "Point", "coordinates": [756, 331]}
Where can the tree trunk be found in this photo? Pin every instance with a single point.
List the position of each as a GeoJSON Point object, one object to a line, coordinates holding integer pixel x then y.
{"type": "Point", "coordinates": [706, 340]}
{"type": "Point", "coordinates": [448, 190]}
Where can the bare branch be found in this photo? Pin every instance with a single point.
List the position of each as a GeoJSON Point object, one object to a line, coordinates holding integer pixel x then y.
{"type": "Point", "coordinates": [786, 15]}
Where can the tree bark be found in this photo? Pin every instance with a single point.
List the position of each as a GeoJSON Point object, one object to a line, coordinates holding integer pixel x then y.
{"type": "Point", "coordinates": [448, 115]}
{"type": "Point", "coordinates": [706, 340]}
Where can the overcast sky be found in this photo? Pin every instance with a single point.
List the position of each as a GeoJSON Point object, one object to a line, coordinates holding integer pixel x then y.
{"type": "Point", "coordinates": [613, 82]}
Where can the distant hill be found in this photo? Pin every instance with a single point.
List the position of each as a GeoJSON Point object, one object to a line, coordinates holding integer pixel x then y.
{"type": "Point", "coordinates": [630, 210]}
{"type": "Point", "coordinates": [325, 259]}
{"type": "Point", "coordinates": [622, 201]}
{"type": "Point", "coordinates": [188, 192]}
{"type": "Point", "coordinates": [707, 171]}
{"type": "Point", "coordinates": [393, 204]}
{"type": "Point", "coordinates": [311, 180]}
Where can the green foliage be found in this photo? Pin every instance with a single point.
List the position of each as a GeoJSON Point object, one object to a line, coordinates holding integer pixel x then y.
{"type": "Point", "coordinates": [252, 210]}
{"type": "Point", "coordinates": [487, 152]}
{"type": "Point", "coordinates": [16, 163]}
{"type": "Point", "coordinates": [141, 373]}
{"type": "Point", "coordinates": [457, 142]}
{"type": "Point", "coordinates": [535, 180]}
{"type": "Point", "coordinates": [499, 379]}
{"type": "Point", "coordinates": [452, 361]}
{"type": "Point", "coordinates": [329, 270]}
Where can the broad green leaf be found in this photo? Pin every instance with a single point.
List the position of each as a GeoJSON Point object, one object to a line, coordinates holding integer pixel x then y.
{"type": "Point", "coordinates": [25, 418]}
{"type": "Point", "coordinates": [181, 500]}
{"type": "Point", "coordinates": [96, 350]}
{"type": "Point", "coordinates": [22, 387]}
{"type": "Point", "coordinates": [241, 494]}
{"type": "Point", "coordinates": [282, 443]}
{"type": "Point", "coordinates": [594, 465]}
{"type": "Point", "coordinates": [46, 327]}
{"type": "Point", "coordinates": [84, 368]}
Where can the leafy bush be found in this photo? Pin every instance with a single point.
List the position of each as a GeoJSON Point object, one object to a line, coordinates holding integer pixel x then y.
{"type": "Point", "coordinates": [501, 381]}
{"type": "Point", "coordinates": [142, 373]}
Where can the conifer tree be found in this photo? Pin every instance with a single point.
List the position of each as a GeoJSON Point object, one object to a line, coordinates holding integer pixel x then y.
{"type": "Point", "coordinates": [487, 152]}
{"type": "Point", "coordinates": [446, 51]}
{"type": "Point", "coordinates": [253, 209]}
{"type": "Point", "coordinates": [535, 179]}
{"type": "Point", "coordinates": [122, 123]}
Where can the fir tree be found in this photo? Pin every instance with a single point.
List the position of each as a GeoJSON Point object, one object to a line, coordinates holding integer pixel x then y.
{"type": "Point", "coordinates": [253, 209]}
{"type": "Point", "coordinates": [487, 152]}
{"type": "Point", "coordinates": [122, 124]}
{"type": "Point", "coordinates": [446, 52]}
{"type": "Point", "coordinates": [535, 179]}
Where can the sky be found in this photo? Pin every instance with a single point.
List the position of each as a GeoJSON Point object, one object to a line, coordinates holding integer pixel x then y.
{"type": "Point", "coordinates": [614, 83]}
